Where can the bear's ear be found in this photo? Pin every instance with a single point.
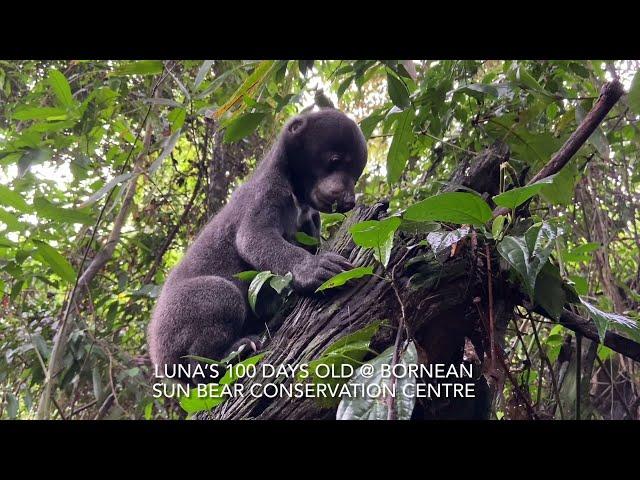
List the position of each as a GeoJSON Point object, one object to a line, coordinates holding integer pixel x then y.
{"type": "Point", "coordinates": [296, 125]}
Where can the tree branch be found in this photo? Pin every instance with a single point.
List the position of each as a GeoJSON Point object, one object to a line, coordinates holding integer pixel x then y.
{"type": "Point", "coordinates": [609, 95]}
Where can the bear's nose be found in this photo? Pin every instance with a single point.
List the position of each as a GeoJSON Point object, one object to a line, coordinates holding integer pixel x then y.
{"type": "Point", "coordinates": [348, 202]}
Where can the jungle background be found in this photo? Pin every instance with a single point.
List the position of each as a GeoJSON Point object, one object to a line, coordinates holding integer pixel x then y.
{"type": "Point", "coordinates": [108, 169]}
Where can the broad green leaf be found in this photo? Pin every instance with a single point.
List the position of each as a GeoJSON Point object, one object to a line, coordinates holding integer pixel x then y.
{"type": "Point", "coordinates": [604, 319]}
{"type": "Point", "coordinates": [177, 116]}
{"type": "Point", "coordinates": [527, 255]}
{"type": "Point", "coordinates": [45, 209]}
{"type": "Point", "coordinates": [256, 285]}
{"type": "Point", "coordinates": [549, 291]}
{"type": "Point", "coordinates": [454, 207]}
{"type": "Point", "coordinates": [399, 149]}
{"type": "Point", "coordinates": [398, 91]}
{"type": "Point", "coordinates": [57, 262]}
{"type": "Point", "coordinates": [634, 94]}
{"type": "Point", "coordinates": [61, 88]}
{"type": "Point", "coordinates": [140, 67]}
{"type": "Point", "coordinates": [561, 190]}
{"type": "Point", "coordinates": [370, 408]}
{"type": "Point", "coordinates": [243, 126]}
{"type": "Point", "coordinates": [517, 196]}
{"type": "Point", "coordinates": [580, 284]}
{"type": "Point", "coordinates": [329, 219]}
{"type": "Point", "coordinates": [280, 282]}
{"type": "Point", "coordinates": [11, 221]}
{"type": "Point", "coordinates": [194, 402]}
{"type": "Point", "coordinates": [13, 199]}
{"type": "Point", "coordinates": [105, 189]}
{"type": "Point", "coordinates": [343, 277]}
{"type": "Point", "coordinates": [39, 113]}
{"type": "Point", "coordinates": [369, 124]}
{"type": "Point", "coordinates": [306, 239]}
{"type": "Point", "coordinates": [378, 235]}
{"type": "Point", "coordinates": [247, 275]}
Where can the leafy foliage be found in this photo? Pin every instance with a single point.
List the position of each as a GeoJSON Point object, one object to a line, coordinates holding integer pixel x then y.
{"type": "Point", "coordinates": [76, 136]}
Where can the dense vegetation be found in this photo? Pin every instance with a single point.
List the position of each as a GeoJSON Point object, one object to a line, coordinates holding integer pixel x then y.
{"type": "Point", "coordinates": [109, 168]}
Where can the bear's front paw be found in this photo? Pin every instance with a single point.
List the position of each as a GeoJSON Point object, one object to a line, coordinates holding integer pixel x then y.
{"type": "Point", "coordinates": [317, 269]}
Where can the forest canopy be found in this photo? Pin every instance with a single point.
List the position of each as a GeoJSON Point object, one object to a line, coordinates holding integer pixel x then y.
{"type": "Point", "coordinates": [109, 169]}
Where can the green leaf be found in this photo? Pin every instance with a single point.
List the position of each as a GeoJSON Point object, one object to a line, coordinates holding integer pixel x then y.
{"type": "Point", "coordinates": [255, 286]}
{"type": "Point", "coordinates": [581, 253]}
{"type": "Point", "coordinates": [377, 235]}
{"type": "Point", "coordinates": [399, 149]}
{"type": "Point", "coordinates": [527, 255]}
{"type": "Point", "coordinates": [57, 262]}
{"type": "Point", "coordinates": [330, 219]}
{"type": "Point", "coordinates": [32, 156]}
{"type": "Point", "coordinates": [234, 373]}
{"type": "Point", "coordinates": [478, 90]}
{"type": "Point", "coordinates": [549, 291]}
{"type": "Point", "coordinates": [343, 277]}
{"type": "Point", "coordinates": [398, 91]}
{"type": "Point", "coordinates": [140, 67]}
{"type": "Point", "coordinates": [105, 189]}
{"type": "Point", "coordinates": [560, 191]}
{"type": "Point", "coordinates": [39, 113]}
{"type": "Point", "coordinates": [13, 199]}
{"type": "Point", "coordinates": [194, 403]}
{"type": "Point", "coordinates": [634, 94]}
{"type": "Point", "coordinates": [580, 284]}
{"type": "Point", "coordinates": [454, 207]}
{"type": "Point", "coordinates": [202, 72]}
{"type": "Point", "coordinates": [280, 282]}
{"type": "Point", "coordinates": [46, 209]}
{"type": "Point", "coordinates": [177, 116]}
{"type": "Point", "coordinates": [254, 81]}
{"type": "Point", "coordinates": [604, 319]}
{"type": "Point", "coordinates": [11, 221]}
{"type": "Point", "coordinates": [369, 124]}
{"type": "Point", "coordinates": [497, 226]}
{"type": "Point", "coordinates": [306, 239]}
{"type": "Point", "coordinates": [169, 145]}
{"type": "Point", "coordinates": [517, 196]}
{"type": "Point", "coordinates": [247, 275]}
{"type": "Point", "coordinates": [350, 349]}
{"type": "Point", "coordinates": [371, 408]}
{"type": "Point", "coordinates": [61, 88]}
{"type": "Point", "coordinates": [243, 126]}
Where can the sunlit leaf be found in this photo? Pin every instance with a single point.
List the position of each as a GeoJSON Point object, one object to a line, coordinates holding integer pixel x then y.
{"type": "Point", "coordinates": [454, 207]}
{"type": "Point", "coordinates": [343, 277]}
{"type": "Point", "coordinates": [376, 234]}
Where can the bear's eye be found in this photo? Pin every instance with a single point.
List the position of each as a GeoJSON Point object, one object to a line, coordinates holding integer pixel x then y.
{"type": "Point", "coordinates": [334, 159]}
